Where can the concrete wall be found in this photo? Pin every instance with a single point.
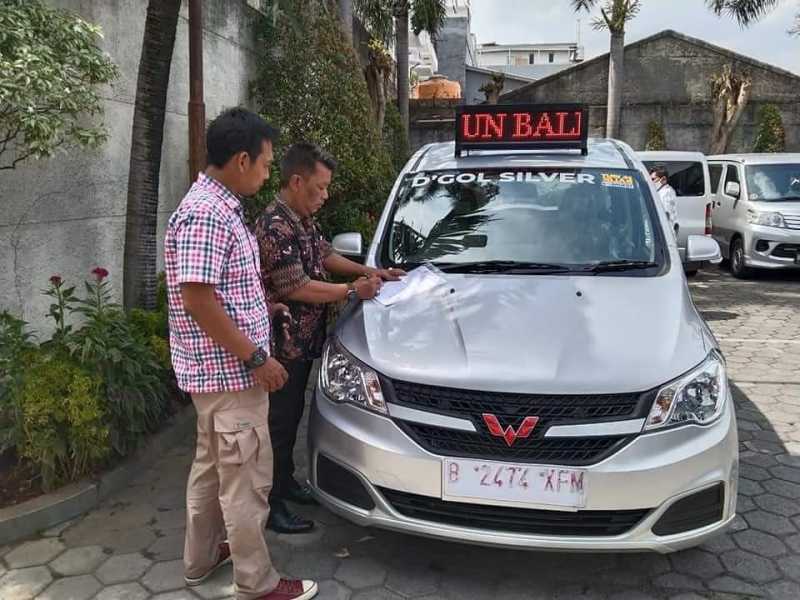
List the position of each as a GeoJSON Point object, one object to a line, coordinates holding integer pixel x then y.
{"type": "Point", "coordinates": [667, 79]}
{"type": "Point", "coordinates": [67, 215]}
{"type": "Point", "coordinates": [451, 49]}
{"type": "Point", "coordinates": [431, 121]}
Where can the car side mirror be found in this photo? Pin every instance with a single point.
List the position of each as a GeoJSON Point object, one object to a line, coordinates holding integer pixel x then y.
{"type": "Point", "coordinates": [733, 189]}
{"type": "Point", "coordinates": [702, 248]}
{"type": "Point", "coordinates": [349, 245]}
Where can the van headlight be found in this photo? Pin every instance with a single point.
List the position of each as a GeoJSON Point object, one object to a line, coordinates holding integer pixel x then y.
{"type": "Point", "coordinates": [697, 397]}
{"type": "Point", "coordinates": [344, 378]}
{"type": "Point", "coordinates": [765, 218]}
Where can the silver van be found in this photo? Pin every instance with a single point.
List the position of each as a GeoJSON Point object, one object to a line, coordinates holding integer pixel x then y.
{"type": "Point", "coordinates": [689, 177]}
{"type": "Point", "coordinates": [554, 387]}
{"type": "Point", "coordinates": [756, 217]}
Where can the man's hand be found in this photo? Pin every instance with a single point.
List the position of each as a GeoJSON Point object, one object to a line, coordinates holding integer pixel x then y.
{"type": "Point", "coordinates": [390, 274]}
{"type": "Point", "coordinates": [281, 316]}
{"type": "Point", "coordinates": [367, 287]}
{"type": "Point", "coordinates": [271, 375]}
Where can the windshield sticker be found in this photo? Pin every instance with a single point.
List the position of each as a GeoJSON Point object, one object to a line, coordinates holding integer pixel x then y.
{"type": "Point", "coordinates": [422, 179]}
{"type": "Point", "coordinates": [754, 196]}
{"type": "Point", "coordinates": [616, 180]}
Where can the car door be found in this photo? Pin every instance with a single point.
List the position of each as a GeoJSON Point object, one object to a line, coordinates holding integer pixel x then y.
{"type": "Point", "coordinates": [726, 208]}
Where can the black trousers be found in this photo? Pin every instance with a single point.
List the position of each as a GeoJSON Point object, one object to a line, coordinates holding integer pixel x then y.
{"type": "Point", "coordinates": [285, 412]}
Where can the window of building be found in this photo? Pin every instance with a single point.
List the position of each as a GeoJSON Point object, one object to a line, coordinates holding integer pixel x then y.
{"type": "Point", "coordinates": [551, 57]}
{"type": "Point", "coordinates": [531, 58]}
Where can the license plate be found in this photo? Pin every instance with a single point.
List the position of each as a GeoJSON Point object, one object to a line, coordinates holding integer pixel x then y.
{"type": "Point", "coordinates": [527, 484]}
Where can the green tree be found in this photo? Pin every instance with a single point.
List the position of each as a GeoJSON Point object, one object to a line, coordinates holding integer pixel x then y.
{"type": "Point", "coordinates": [747, 12]}
{"type": "Point", "coordinates": [614, 14]}
{"type": "Point", "coordinates": [312, 87]}
{"type": "Point", "coordinates": [378, 16]}
{"type": "Point", "coordinates": [51, 69]}
{"type": "Point", "coordinates": [656, 139]}
{"type": "Point", "coordinates": [771, 136]}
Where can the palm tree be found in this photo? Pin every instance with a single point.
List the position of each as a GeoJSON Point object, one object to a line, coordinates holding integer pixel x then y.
{"type": "Point", "coordinates": [747, 12]}
{"type": "Point", "coordinates": [147, 135]}
{"type": "Point", "coordinates": [614, 15]}
{"type": "Point", "coordinates": [424, 15]}
{"type": "Point", "coordinates": [346, 18]}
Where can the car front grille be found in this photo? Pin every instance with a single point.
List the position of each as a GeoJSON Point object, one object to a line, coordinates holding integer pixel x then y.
{"type": "Point", "coordinates": [792, 221]}
{"type": "Point", "coordinates": [510, 410]}
{"type": "Point", "coordinates": [593, 523]}
{"type": "Point", "coordinates": [786, 250]}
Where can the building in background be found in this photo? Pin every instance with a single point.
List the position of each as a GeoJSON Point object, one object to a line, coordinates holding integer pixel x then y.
{"type": "Point", "coordinates": [533, 61]}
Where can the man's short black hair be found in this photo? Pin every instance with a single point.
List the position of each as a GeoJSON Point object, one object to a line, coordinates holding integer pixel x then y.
{"type": "Point", "coordinates": [661, 172]}
{"type": "Point", "coordinates": [237, 130]}
{"type": "Point", "coordinates": [301, 159]}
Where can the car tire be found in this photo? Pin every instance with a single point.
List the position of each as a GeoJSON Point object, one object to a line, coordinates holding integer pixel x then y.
{"type": "Point", "coordinates": [691, 272]}
{"type": "Point", "coordinates": [738, 267]}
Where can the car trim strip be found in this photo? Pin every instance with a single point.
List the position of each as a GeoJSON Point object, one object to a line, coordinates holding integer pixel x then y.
{"type": "Point", "coordinates": [429, 418]}
{"type": "Point", "coordinates": [596, 429]}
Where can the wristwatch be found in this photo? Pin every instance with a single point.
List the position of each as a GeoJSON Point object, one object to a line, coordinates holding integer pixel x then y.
{"type": "Point", "coordinates": [351, 290]}
{"type": "Point", "coordinates": [258, 358]}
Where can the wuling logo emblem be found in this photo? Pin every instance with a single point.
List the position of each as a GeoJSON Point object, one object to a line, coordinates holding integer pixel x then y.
{"type": "Point", "coordinates": [509, 434]}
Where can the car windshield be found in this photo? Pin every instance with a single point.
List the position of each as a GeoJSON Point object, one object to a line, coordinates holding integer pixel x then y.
{"type": "Point", "coordinates": [574, 219]}
{"type": "Point", "coordinates": [773, 183]}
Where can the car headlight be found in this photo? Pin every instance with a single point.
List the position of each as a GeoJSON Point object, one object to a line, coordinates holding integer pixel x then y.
{"type": "Point", "coordinates": [767, 219]}
{"type": "Point", "coordinates": [697, 397]}
{"type": "Point", "coordinates": [345, 379]}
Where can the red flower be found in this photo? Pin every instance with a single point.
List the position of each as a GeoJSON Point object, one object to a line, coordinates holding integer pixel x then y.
{"type": "Point", "coordinates": [100, 273]}
{"type": "Point", "coordinates": [56, 280]}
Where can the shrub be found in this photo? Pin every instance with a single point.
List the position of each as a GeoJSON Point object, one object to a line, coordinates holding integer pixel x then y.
{"type": "Point", "coordinates": [63, 429]}
{"type": "Point", "coordinates": [394, 137]}
{"type": "Point", "coordinates": [15, 346]}
{"type": "Point", "coordinates": [312, 87]}
{"type": "Point", "coordinates": [656, 139]}
{"type": "Point", "coordinates": [134, 379]}
{"type": "Point", "coordinates": [771, 136]}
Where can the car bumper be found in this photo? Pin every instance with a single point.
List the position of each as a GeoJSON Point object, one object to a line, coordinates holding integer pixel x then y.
{"type": "Point", "coordinates": [774, 237]}
{"type": "Point", "coordinates": [652, 472]}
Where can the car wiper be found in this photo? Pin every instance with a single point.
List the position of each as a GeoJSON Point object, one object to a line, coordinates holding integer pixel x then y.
{"type": "Point", "coordinates": [620, 265]}
{"type": "Point", "coordinates": [502, 266]}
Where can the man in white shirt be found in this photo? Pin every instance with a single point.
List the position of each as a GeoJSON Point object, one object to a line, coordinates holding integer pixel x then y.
{"type": "Point", "coordinates": [669, 199]}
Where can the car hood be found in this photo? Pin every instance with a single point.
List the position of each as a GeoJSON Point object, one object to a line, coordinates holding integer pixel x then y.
{"type": "Point", "coordinates": [789, 207]}
{"type": "Point", "coordinates": [534, 334]}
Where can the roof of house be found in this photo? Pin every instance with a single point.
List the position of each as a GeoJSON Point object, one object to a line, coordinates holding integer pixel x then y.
{"type": "Point", "coordinates": [494, 70]}
{"type": "Point", "coordinates": [667, 33]}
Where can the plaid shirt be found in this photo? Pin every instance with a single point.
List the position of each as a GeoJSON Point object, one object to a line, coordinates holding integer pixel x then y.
{"type": "Point", "coordinates": [208, 242]}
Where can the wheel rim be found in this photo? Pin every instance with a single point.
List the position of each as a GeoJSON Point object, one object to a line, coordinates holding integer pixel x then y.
{"type": "Point", "coordinates": [738, 259]}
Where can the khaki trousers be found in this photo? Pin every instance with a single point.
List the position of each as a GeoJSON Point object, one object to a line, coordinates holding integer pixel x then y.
{"type": "Point", "coordinates": [228, 489]}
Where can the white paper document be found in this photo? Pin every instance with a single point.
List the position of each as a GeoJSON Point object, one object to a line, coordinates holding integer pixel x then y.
{"type": "Point", "coordinates": [416, 282]}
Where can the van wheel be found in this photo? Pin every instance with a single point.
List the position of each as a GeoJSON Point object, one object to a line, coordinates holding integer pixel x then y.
{"type": "Point", "coordinates": [738, 268]}
{"type": "Point", "coordinates": [691, 272]}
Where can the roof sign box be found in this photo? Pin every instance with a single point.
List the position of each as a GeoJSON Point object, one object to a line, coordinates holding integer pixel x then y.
{"type": "Point", "coordinates": [521, 127]}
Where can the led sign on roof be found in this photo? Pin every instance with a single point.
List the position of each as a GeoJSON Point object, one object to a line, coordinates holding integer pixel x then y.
{"type": "Point", "coordinates": [521, 126]}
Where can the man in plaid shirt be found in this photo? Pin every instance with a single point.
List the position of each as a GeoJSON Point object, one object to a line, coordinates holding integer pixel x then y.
{"type": "Point", "coordinates": [219, 339]}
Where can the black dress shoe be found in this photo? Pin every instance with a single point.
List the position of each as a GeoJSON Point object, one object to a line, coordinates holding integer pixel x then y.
{"type": "Point", "coordinates": [300, 493]}
{"type": "Point", "coordinates": [282, 520]}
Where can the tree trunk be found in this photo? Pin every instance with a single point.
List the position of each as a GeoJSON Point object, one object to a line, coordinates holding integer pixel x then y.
{"type": "Point", "coordinates": [377, 84]}
{"type": "Point", "coordinates": [731, 93]}
{"type": "Point", "coordinates": [401, 50]}
{"type": "Point", "coordinates": [140, 278]}
{"type": "Point", "coordinates": [346, 18]}
{"type": "Point", "coordinates": [616, 80]}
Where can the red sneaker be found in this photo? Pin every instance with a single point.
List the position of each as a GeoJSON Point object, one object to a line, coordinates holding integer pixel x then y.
{"type": "Point", "coordinates": [224, 559]}
{"type": "Point", "coordinates": [292, 589]}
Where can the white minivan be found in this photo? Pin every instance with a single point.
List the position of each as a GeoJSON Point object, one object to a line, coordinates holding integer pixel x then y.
{"type": "Point", "coordinates": [689, 177]}
{"type": "Point", "coordinates": [757, 210]}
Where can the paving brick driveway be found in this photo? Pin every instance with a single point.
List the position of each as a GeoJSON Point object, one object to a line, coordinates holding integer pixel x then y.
{"type": "Point", "coordinates": [130, 549]}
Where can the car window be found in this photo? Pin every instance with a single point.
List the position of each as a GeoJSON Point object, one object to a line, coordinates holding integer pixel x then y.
{"type": "Point", "coordinates": [686, 177]}
{"type": "Point", "coordinates": [715, 174]}
{"type": "Point", "coordinates": [571, 217]}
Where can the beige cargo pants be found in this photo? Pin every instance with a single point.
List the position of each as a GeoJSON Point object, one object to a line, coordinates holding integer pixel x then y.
{"type": "Point", "coordinates": [228, 489]}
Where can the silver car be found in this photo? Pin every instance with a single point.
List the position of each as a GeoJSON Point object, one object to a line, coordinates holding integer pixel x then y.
{"type": "Point", "coordinates": [757, 210]}
{"type": "Point", "coordinates": [553, 388]}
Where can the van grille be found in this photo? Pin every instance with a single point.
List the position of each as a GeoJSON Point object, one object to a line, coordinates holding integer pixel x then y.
{"type": "Point", "coordinates": [511, 409]}
{"type": "Point", "coordinates": [792, 221]}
